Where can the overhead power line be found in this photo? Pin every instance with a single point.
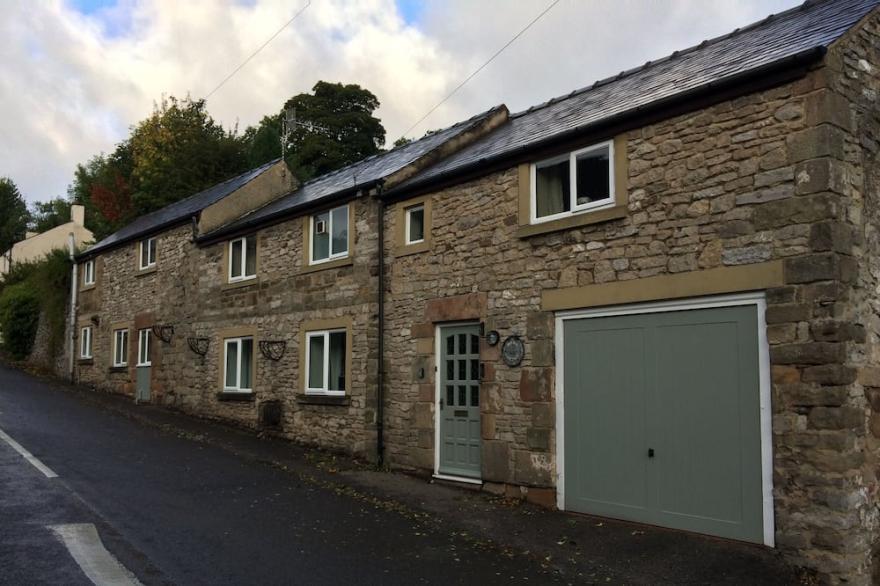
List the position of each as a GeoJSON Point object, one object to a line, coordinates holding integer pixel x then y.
{"type": "Point", "coordinates": [261, 47]}
{"type": "Point", "coordinates": [481, 67]}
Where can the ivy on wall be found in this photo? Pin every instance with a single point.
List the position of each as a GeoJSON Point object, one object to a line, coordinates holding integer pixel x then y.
{"type": "Point", "coordinates": [28, 291]}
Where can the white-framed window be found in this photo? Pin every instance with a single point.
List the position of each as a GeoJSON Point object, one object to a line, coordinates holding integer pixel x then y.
{"type": "Point", "coordinates": [415, 224]}
{"type": "Point", "coordinates": [329, 235]}
{"type": "Point", "coordinates": [147, 253]}
{"type": "Point", "coordinates": [120, 347]}
{"type": "Point", "coordinates": [88, 272]}
{"type": "Point", "coordinates": [144, 343]}
{"type": "Point", "coordinates": [575, 182]}
{"type": "Point", "coordinates": [325, 362]}
{"type": "Point", "coordinates": [243, 258]}
{"type": "Point", "coordinates": [238, 360]}
{"type": "Point", "coordinates": [85, 342]}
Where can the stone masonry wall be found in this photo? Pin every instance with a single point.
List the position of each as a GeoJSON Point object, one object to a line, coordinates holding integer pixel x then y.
{"type": "Point", "coordinates": [747, 181]}
{"type": "Point", "coordinates": [188, 290]}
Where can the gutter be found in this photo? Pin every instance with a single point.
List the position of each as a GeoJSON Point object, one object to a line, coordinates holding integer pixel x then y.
{"type": "Point", "coordinates": [281, 215]}
{"type": "Point", "coordinates": [74, 287]}
{"type": "Point", "coordinates": [801, 59]}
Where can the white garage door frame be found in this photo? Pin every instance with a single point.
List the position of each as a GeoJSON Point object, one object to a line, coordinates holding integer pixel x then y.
{"type": "Point", "coordinates": [758, 300]}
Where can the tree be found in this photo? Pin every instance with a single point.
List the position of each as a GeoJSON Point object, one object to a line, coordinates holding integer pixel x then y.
{"type": "Point", "coordinates": [13, 214]}
{"type": "Point", "coordinates": [262, 143]}
{"type": "Point", "coordinates": [102, 186]}
{"type": "Point", "coordinates": [402, 141]}
{"type": "Point", "coordinates": [47, 215]}
{"type": "Point", "coordinates": [178, 151]}
{"type": "Point", "coordinates": [334, 127]}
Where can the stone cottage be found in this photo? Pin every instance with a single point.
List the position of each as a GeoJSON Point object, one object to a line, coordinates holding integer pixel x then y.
{"type": "Point", "coordinates": [653, 299]}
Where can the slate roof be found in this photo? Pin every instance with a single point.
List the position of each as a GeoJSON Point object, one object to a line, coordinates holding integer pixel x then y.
{"type": "Point", "coordinates": [811, 26]}
{"type": "Point", "coordinates": [177, 212]}
{"type": "Point", "coordinates": [362, 174]}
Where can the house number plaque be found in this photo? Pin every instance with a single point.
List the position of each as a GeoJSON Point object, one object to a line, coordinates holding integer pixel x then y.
{"type": "Point", "coordinates": [512, 351]}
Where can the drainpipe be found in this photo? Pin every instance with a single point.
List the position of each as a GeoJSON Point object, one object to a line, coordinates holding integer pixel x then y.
{"type": "Point", "coordinates": [380, 375]}
{"type": "Point", "coordinates": [73, 289]}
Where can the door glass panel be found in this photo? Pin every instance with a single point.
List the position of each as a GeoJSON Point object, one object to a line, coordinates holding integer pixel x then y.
{"type": "Point", "coordinates": [462, 343]}
{"type": "Point", "coordinates": [450, 344]}
{"type": "Point", "coordinates": [475, 370]}
{"type": "Point", "coordinates": [450, 370]}
{"type": "Point", "coordinates": [450, 396]}
{"type": "Point", "coordinates": [462, 370]}
{"type": "Point", "coordinates": [475, 396]}
{"type": "Point", "coordinates": [462, 396]}
{"type": "Point", "coordinates": [475, 344]}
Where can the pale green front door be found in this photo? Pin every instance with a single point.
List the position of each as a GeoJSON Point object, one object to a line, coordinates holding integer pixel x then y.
{"type": "Point", "coordinates": [459, 401]}
{"type": "Point", "coordinates": [662, 420]}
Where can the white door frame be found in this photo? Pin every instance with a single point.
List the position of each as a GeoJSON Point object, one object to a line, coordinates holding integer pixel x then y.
{"type": "Point", "coordinates": [755, 298]}
{"type": "Point", "coordinates": [437, 351]}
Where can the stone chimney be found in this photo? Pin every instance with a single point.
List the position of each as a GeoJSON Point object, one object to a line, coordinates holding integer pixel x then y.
{"type": "Point", "coordinates": [77, 214]}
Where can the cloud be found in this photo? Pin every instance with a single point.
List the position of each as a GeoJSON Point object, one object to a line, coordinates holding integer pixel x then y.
{"type": "Point", "coordinates": [78, 74]}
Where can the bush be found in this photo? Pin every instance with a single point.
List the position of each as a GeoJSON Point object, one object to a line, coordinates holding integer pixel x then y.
{"type": "Point", "coordinates": [19, 316]}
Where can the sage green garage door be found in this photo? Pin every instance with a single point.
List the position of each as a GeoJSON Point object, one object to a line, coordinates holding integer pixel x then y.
{"type": "Point", "coordinates": [662, 420]}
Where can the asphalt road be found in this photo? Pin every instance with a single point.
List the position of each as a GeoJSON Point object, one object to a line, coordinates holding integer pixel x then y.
{"type": "Point", "coordinates": [176, 511]}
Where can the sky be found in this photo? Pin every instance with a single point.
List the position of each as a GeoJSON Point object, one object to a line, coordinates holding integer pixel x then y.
{"type": "Point", "coordinates": [77, 74]}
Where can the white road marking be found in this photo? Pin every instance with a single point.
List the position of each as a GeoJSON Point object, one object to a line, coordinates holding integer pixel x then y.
{"type": "Point", "coordinates": [27, 455]}
{"type": "Point", "coordinates": [98, 564]}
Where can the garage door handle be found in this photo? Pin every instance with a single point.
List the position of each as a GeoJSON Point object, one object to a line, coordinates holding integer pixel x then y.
{"type": "Point", "coordinates": [650, 452]}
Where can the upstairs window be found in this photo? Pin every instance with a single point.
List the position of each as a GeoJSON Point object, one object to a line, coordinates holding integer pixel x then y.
{"type": "Point", "coordinates": [239, 363]}
{"type": "Point", "coordinates": [147, 253]}
{"type": "Point", "coordinates": [243, 258]}
{"type": "Point", "coordinates": [85, 342]}
{"type": "Point", "coordinates": [572, 183]}
{"type": "Point", "coordinates": [120, 347]}
{"type": "Point", "coordinates": [329, 235]}
{"type": "Point", "coordinates": [325, 362]}
{"type": "Point", "coordinates": [415, 224]}
{"type": "Point", "coordinates": [88, 269]}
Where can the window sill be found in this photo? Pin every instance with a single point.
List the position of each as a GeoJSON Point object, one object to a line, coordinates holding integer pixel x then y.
{"type": "Point", "coordinates": [332, 400]}
{"type": "Point", "coordinates": [235, 396]}
{"type": "Point", "coordinates": [574, 221]}
{"type": "Point", "coordinates": [85, 361]}
{"type": "Point", "coordinates": [240, 284]}
{"type": "Point", "coordinates": [331, 264]}
{"type": "Point", "coordinates": [123, 368]}
{"type": "Point", "coordinates": [87, 287]}
{"type": "Point", "coordinates": [146, 271]}
{"type": "Point", "coordinates": [407, 249]}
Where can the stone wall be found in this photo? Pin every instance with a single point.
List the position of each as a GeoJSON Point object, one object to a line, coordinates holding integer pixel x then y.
{"type": "Point", "coordinates": [755, 180]}
{"type": "Point", "coordinates": [189, 290]}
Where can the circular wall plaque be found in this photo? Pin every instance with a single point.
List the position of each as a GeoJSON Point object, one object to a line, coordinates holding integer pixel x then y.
{"type": "Point", "coordinates": [512, 351]}
{"type": "Point", "coordinates": [493, 337]}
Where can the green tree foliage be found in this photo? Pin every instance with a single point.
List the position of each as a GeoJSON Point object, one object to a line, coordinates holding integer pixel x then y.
{"type": "Point", "coordinates": [49, 214]}
{"type": "Point", "coordinates": [262, 142]}
{"type": "Point", "coordinates": [103, 186]}
{"type": "Point", "coordinates": [29, 290]}
{"type": "Point", "coordinates": [334, 127]}
{"type": "Point", "coordinates": [13, 214]}
{"type": "Point", "coordinates": [178, 151]}
{"type": "Point", "coordinates": [19, 316]}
